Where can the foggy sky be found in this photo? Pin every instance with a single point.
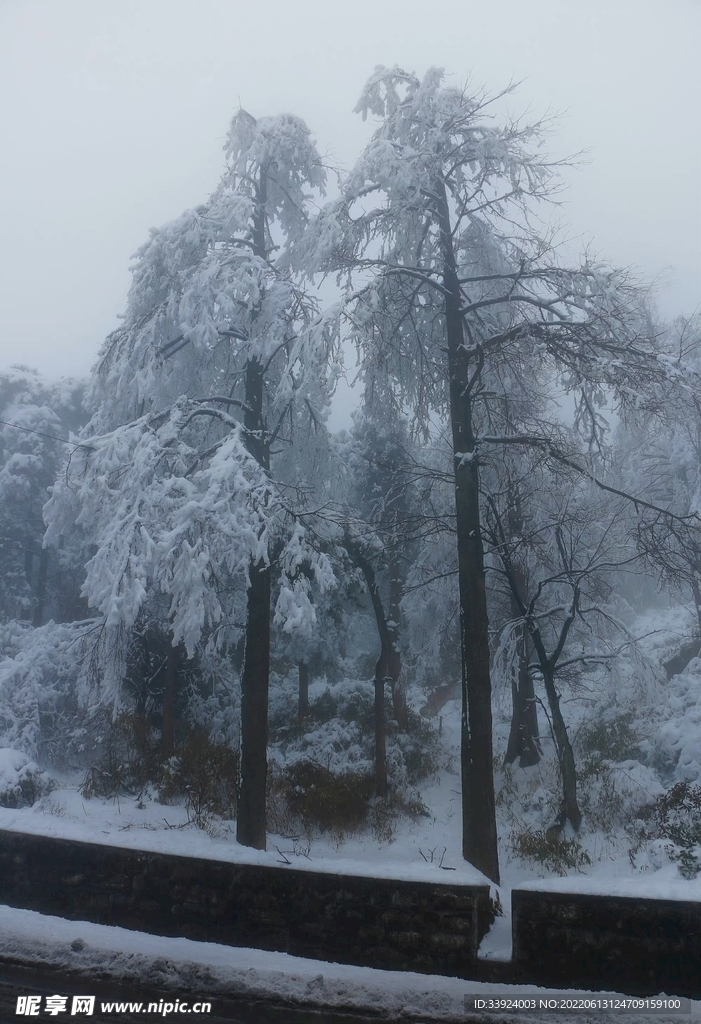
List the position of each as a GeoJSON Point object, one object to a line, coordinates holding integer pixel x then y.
{"type": "Point", "coordinates": [113, 116]}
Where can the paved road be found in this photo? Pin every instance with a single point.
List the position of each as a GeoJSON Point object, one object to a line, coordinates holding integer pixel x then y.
{"type": "Point", "coordinates": [18, 980]}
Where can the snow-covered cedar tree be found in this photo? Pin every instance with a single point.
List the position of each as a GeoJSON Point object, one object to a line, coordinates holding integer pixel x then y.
{"type": "Point", "coordinates": [445, 275]}
{"type": "Point", "coordinates": [209, 403]}
{"type": "Point", "coordinates": [37, 415]}
{"type": "Point", "coordinates": [44, 674]}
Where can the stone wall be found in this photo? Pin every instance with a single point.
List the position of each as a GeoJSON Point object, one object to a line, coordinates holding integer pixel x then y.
{"type": "Point", "coordinates": [560, 939]}
{"type": "Point", "coordinates": [624, 944]}
{"type": "Point", "coordinates": [371, 922]}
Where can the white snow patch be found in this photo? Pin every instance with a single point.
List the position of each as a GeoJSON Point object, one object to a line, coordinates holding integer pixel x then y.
{"type": "Point", "coordinates": [663, 884]}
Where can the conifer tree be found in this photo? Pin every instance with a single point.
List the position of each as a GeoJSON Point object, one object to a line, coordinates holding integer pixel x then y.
{"type": "Point", "coordinates": [186, 482]}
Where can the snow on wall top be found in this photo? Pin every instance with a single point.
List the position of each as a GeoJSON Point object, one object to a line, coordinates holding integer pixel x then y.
{"type": "Point", "coordinates": [664, 884]}
{"type": "Point", "coordinates": [195, 843]}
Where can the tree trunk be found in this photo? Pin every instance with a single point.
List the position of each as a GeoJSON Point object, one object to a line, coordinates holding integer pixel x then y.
{"type": "Point", "coordinates": [168, 704]}
{"type": "Point", "coordinates": [531, 751]}
{"type": "Point", "coordinates": [479, 810]}
{"type": "Point", "coordinates": [303, 675]}
{"type": "Point", "coordinates": [696, 591]}
{"type": "Point", "coordinates": [523, 736]}
{"type": "Point", "coordinates": [565, 754]}
{"type": "Point", "coordinates": [251, 820]}
{"type": "Point", "coordinates": [388, 664]}
{"type": "Point", "coordinates": [38, 616]}
{"type": "Point", "coordinates": [400, 708]}
{"type": "Point", "coordinates": [478, 803]}
{"type": "Point", "coordinates": [396, 586]}
{"type": "Point", "coordinates": [380, 731]}
{"type": "Point", "coordinates": [255, 675]}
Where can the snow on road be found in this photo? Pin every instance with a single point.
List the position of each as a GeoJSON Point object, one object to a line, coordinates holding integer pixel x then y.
{"type": "Point", "coordinates": [128, 957]}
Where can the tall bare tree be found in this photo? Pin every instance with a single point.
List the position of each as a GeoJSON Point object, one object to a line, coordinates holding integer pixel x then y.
{"type": "Point", "coordinates": [438, 212]}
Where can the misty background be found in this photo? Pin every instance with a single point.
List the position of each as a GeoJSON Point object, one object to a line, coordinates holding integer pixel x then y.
{"type": "Point", "coordinates": [114, 116]}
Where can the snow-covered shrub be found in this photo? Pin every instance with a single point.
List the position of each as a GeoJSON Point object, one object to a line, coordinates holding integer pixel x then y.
{"type": "Point", "coordinates": [674, 744]}
{"type": "Point", "coordinates": [386, 811]}
{"type": "Point", "coordinates": [612, 793]}
{"type": "Point", "coordinates": [555, 852]}
{"type": "Point", "coordinates": [335, 743]}
{"type": "Point", "coordinates": [672, 829]}
{"type": "Point", "coordinates": [308, 797]}
{"type": "Point", "coordinates": [420, 748]}
{"type": "Point", "coordinates": [529, 797]}
{"type": "Point", "coordinates": [202, 772]}
{"type": "Point", "coordinates": [206, 774]}
{"type": "Point", "coordinates": [319, 800]}
{"type": "Point", "coordinates": [129, 760]}
{"type": "Point", "coordinates": [611, 735]}
{"type": "Point", "coordinates": [339, 730]}
{"type": "Point", "coordinates": [677, 814]}
{"type": "Point", "coordinates": [22, 782]}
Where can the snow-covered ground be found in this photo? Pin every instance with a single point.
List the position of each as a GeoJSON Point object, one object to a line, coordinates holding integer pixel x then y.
{"type": "Point", "coordinates": [663, 884]}
{"type": "Point", "coordinates": [425, 848]}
